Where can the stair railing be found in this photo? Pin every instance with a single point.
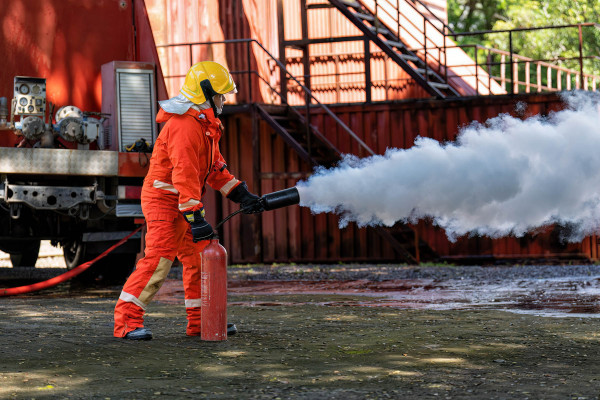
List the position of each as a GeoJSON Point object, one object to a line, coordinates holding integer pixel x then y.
{"type": "Point", "coordinates": [393, 14]}
{"type": "Point", "coordinates": [311, 104]}
{"type": "Point", "coordinates": [519, 65]}
{"type": "Point", "coordinates": [390, 13]}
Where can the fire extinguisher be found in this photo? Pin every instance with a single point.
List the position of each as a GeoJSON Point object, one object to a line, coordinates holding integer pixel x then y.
{"type": "Point", "coordinates": [214, 271]}
{"type": "Point", "coordinates": [214, 291]}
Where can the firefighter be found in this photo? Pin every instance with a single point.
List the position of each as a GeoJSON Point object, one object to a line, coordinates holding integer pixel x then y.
{"type": "Point", "coordinates": [186, 156]}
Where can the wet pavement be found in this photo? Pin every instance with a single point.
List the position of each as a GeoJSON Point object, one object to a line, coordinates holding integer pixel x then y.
{"type": "Point", "coordinates": [548, 291]}
{"type": "Point", "coordinates": [566, 291]}
{"type": "Point", "coordinates": [320, 331]}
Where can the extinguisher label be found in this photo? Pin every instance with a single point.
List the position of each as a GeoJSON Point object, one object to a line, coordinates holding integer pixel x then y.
{"type": "Point", "coordinates": [205, 288]}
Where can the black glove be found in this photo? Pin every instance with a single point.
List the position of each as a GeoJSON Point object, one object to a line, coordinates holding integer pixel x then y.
{"type": "Point", "coordinates": [201, 230]}
{"type": "Point", "coordinates": [250, 203]}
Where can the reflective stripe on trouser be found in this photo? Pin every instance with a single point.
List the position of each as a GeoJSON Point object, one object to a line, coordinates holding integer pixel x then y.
{"type": "Point", "coordinates": [168, 236]}
{"type": "Point", "coordinates": [190, 257]}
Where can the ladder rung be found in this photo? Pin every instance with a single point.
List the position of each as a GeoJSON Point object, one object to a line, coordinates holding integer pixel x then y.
{"type": "Point", "coordinates": [364, 17]}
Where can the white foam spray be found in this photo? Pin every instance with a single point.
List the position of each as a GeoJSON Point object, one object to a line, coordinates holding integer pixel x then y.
{"type": "Point", "coordinates": [507, 176]}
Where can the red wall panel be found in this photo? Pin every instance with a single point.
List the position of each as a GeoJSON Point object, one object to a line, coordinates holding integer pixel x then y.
{"type": "Point", "coordinates": [67, 41]}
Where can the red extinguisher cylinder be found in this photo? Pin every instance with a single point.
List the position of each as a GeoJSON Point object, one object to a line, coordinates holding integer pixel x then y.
{"type": "Point", "coordinates": [214, 292]}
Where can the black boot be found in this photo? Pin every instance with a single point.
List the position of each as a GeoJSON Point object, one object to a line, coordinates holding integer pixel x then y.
{"type": "Point", "coordinates": [139, 334]}
{"type": "Point", "coordinates": [231, 329]}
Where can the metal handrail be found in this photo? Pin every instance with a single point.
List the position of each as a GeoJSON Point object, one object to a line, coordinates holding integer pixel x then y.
{"type": "Point", "coordinates": [537, 28]}
{"type": "Point", "coordinates": [307, 91]}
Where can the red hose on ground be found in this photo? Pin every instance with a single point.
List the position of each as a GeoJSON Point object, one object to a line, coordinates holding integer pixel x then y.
{"type": "Point", "coordinates": [67, 275]}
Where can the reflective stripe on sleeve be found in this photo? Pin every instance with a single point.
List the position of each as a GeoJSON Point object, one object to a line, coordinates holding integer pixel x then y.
{"type": "Point", "coordinates": [188, 204]}
{"type": "Point", "coordinates": [165, 186]}
{"type": "Point", "coordinates": [129, 298]}
{"type": "Point", "coordinates": [228, 186]}
{"type": "Point", "coordinates": [193, 303]}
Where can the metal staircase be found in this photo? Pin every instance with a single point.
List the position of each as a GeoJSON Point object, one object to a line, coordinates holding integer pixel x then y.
{"type": "Point", "coordinates": [391, 44]}
{"type": "Point", "coordinates": [310, 144]}
{"type": "Point", "coordinates": [313, 147]}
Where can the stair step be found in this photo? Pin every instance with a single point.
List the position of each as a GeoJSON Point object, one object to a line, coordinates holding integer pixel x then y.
{"type": "Point", "coordinates": [280, 117]}
{"type": "Point", "coordinates": [364, 17]}
{"type": "Point", "coordinates": [408, 57]}
{"type": "Point", "coordinates": [394, 43]}
{"type": "Point", "coordinates": [350, 3]}
{"type": "Point", "coordinates": [382, 31]}
{"type": "Point", "coordinates": [439, 85]}
{"type": "Point", "coordinates": [422, 71]}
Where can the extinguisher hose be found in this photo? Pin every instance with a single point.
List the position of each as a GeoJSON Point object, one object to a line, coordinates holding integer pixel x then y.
{"type": "Point", "coordinates": [67, 275]}
{"type": "Point", "coordinates": [268, 202]}
{"type": "Point", "coordinates": [227, 218]}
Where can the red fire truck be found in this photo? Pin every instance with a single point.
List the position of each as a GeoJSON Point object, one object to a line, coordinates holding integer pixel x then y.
{"type": "Point", "coordinates": [76, 128]}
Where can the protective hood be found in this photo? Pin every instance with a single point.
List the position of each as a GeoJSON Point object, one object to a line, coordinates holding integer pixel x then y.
{"type": "Point", "coordinates": [180, 104]}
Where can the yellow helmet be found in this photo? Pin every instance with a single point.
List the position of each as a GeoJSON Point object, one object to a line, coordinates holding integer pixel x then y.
{"type": "Point", "coordinates": [206, 79]}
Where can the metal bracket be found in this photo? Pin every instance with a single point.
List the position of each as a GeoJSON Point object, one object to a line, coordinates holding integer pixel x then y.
{"type": "Point", "coordinates": [50, 197]}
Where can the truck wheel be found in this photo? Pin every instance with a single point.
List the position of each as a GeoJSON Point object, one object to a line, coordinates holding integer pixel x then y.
{"type": "Point", "coordinates": [74, 252]}
{"type": "Point", "coordinates": [28, 255]}
{"type": "Point", "coordinates": [116, 268]}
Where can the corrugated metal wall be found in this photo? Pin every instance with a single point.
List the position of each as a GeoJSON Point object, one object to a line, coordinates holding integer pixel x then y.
{"type": "Point", "coordinates": [293, 234]}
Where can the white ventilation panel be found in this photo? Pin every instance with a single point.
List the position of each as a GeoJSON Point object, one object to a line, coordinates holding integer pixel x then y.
{"type": "Point", "coordinates": [135, 106]}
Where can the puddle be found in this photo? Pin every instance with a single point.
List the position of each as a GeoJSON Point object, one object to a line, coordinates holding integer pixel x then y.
{"type": "Point", "coordinates": [555, 297]}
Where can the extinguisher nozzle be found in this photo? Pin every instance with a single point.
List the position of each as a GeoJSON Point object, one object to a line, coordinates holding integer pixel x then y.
{"type": "Point", "coordinates": [282, 198]}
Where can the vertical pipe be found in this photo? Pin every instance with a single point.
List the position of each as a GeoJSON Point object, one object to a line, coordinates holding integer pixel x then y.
{"type": "Point", "coordinates": [527, 76]}
{"type": "Point", "coordinates": [367, 46]}
{"type": "Point", "coordinates": [398, 19]}
{"type": "Point", "coordinates": [580, 56]}
{"type": "Point", "coordinates": [503, 71]}
{"type": "Point", "coordinates": [510, 54]}
{"type": "Point", "coordinates": [425, 46]}
{"type": "Point", "coordinates": [249, 69]}
{"type": "Point", "coordinates": [306, 67]}
{"type": "Point", "coordinates": [376, 22]}
{"type": "Point", "coordinates": [256, 171]}
{"type": "Point", "coordinates": [476, 71]}
{"type": "Point", "coordinates": [281, 33]}
{"type": "Point", "coordinates": [489, 67]}
{"type": "Point", "coordinates": [515, 73]}
{"type": "Point", "coordinates": [445, 57]}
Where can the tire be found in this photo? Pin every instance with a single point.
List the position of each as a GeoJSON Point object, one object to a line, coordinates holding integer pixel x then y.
{"type": "Point", "coordinates": [28, 254]}
{"type": "Point", "coordinates": [113, 268]}
{"type": "Point", "coordinates": [74, 253]}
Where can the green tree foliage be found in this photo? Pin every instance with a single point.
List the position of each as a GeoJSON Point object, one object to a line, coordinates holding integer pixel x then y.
{"type": "Point", "coordinates": [547, 44]}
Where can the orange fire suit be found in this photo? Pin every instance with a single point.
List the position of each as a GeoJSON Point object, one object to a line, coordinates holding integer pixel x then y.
{"type": "Point", "coordinates": [186, 156]}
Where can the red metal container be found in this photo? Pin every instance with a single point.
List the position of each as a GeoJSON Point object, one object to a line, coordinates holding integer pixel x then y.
{"type": "Point", "coordinates": [214, 292]}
